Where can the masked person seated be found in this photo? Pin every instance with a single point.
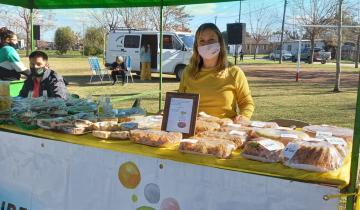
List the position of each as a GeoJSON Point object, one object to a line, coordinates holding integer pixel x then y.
{"type": "Point", "coordinates": [11, 66]}
{"type": "Point", "coordinates": [42, 79]}
{"type": "Point", "coordinates": [118, 68]}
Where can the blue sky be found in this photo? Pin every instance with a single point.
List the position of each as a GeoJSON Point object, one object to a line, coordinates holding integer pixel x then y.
{"type": "Point", "coordinates": [225, 12]}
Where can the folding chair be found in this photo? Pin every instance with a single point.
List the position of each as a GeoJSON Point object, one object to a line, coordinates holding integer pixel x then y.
{"type": "Point", "coordinates": [96, 70]}
{"type": "Point", "coordinates": [128, 74]}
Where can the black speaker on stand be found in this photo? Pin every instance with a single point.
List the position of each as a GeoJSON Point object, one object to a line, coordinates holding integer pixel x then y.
{"type": "Point", "coordinates": [236, 33]}
{"type": "Point", "coordinates": [36, 29]}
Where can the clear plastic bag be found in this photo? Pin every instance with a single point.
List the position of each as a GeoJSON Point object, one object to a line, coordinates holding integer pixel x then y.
{"type": "Point", "coordinates": [202, 126]}
{"type": "Point", "coordinates": [237, 137]}
{"type": "Point", "coordinates": [328, 130]}
{"type": "Point", "coordinates": [264, 150]}
{"type": "Point", "coordinates": [318, 156]}
{"type": "Point", "coordinates": [215, 147]}
{"type": "Point", "coordinates": [283, 135]}
{"type": "Point", "coordinates": [155, 138]}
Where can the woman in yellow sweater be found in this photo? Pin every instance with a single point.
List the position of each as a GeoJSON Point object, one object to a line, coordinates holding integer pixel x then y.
{"type": "Point", "coordinates": [222, 88]}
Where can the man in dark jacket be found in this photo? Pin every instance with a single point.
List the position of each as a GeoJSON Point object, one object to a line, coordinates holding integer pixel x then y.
{"type": "Point", "coordinates": [42, 79]}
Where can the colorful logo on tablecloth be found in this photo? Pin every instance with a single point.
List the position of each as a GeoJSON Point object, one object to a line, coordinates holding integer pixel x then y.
{"type": "Point", "coordinates": [130, 177]}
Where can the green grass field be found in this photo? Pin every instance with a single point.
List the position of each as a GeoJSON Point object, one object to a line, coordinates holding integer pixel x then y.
{"type": "Point", "coordinates": [273, 86]}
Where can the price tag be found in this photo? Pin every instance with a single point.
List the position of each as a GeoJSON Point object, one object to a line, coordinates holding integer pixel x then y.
{"type": "Point", "coordinates": [193, 141]}
{"type": "Point", "coordinates": [335, 141]}
{"type": "Point", "coordinates": [237, 133]}
{"type": "Point", "coordinates": [258, 124]}
{"type": "Point", "coordinates": [289, 135]}
{"type": "Point", "coordinates": [270, 145]}
{"type": "Point", "coordinates": [290, 150]}
{"type": "Point", "coordinates": [313, 139]}
{"type": "Point", "coordinates": [323, 134]}
{"type": "Point", "coordinates": [232, 125]}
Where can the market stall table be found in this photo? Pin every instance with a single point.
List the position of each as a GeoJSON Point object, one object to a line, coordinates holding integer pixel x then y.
{"type": "Point", "coordinates": [84, 172]}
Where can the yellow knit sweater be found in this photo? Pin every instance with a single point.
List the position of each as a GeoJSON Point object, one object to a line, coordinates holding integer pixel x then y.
{"type": "Point", "coordinates": [220, 94]}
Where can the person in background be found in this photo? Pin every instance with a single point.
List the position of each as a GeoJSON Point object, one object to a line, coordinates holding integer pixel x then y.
{"type": "Point", "coordinates": [118, 68]}
{"type": "Point", "coordinates": [241, 55]}
{"type": "Point", "coordinates": [43, 80]}
{"type": "Point", "coordinates": [11, 66]}
{"type": "Point", "coordinates": [145, 57]}
{"type": "Point", "coordinates": [222, 88]}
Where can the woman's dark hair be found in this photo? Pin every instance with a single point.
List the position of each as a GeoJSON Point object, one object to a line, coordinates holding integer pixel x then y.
{"type": "Point", "coordinates": [37, 54]}
{"type": "Point", "coordinates": [5, 33]}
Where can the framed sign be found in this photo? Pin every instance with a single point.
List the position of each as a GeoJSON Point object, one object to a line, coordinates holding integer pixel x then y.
{"type": "Point", "coordinates": [180, 113]}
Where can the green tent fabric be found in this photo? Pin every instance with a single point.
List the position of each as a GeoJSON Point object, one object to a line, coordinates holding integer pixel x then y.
{"type": "Point", "coordinates": [73, 4]}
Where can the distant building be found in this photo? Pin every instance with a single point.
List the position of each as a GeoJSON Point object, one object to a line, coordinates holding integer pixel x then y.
{"type": "Point", "coordinates": [250, 47]}
{"type": "Point", "coordinates": [45, 45]}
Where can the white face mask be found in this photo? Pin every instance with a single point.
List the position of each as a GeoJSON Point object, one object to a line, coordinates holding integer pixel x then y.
{"type": "Point", "coordinates": [209, 51]}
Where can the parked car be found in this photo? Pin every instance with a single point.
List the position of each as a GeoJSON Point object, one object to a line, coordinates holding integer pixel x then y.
{"type": "Point", "coordinates": [320, 55]}
{"type": "Point", "coordinates": [286, 55]}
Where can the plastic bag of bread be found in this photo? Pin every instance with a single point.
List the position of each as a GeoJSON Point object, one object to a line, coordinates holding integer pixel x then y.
{"type": "Point", "coordinates": [155, 138]}
{"type": "Point", "coordinates": [264, 150]}
{"type": "Point", "coordinates": [202, 126]}
{"type": "Point", "coordinates": [149, 122]}
{"type": "Point", "coordinates": [257, 124]}
{"type": "Point", "coordinates": [319, 156]}
{"type": "Point", "coordinates": [282, 135]}
{"type": "Point", "coordinates": [328, 130]}
{"type": "Point", "coordinates": [113, 135]}
{"type": "Point", "coordinates": [208, 118]}
{"type": "Point", "coordinates": [215, 147]}
{"type": "Point", "coordinates": [238, 137]}
{"type": "Point", "coordinates": [339, 143]}
{"type": "Point", "coordinates": [106, 126]}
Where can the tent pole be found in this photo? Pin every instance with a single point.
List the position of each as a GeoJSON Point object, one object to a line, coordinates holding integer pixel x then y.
{"type": "Point", "coordinates": [32, 42]}
{"type": "Point", "coordinates": [354, 155]}
{"type": "Point", "coordinates": [161, 55]}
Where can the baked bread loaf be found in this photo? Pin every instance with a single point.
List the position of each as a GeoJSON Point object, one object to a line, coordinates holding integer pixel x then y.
{"type": "Point", "coordinates": [319, 156]}
{"type": "Point", "coordinates": [237, 137]}
{"type": "Point", "coordinates": [155, 138]}
{"type": "Point", "coordinates": [284, 136]}
{"type": "Point", "coordinates": [314, 130]}
{"type": "Point", "coordinates": [202, 126]}
{"type": "Point", "coordinates": [264, 150]}
{"type": "Point", "coordinates": [106, 126]}
{"type": "Point", "coordinates": [215, 147]}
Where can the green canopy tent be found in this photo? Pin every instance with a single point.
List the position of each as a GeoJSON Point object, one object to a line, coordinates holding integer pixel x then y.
{"type": "Point", "coordinates": [77, 4]}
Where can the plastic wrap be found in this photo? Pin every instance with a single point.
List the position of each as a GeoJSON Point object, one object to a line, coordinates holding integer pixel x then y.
{"type": "Point", "coordinates": [202, 126]}
{"type": "Point", "coordinates": [113, 135]}
{"type": "Point", "coordinates": [328, 130]}
{"type": "Point", "coordinates": [264, 150]}
{"type": "Point", "coordinates": [208, 118]}
{"type": "Point", "coordinates": [149, 122]}
{"type": "Point", "coordinates": [319, 156]}
{"type": "Point", "coordinates": [155, 138]}
{"type": "Point", "coordinates": [282, 135]}
{"type": "Point", "coordinates": [215, 147]}
{"type": "Point", "coordinates": [238, 137]}
{"type": "Point", "coordinates": [106, 126]}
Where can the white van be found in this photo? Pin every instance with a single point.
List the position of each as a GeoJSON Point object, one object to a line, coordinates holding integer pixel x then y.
{"type": "Point", "coordinates": [125, 42]}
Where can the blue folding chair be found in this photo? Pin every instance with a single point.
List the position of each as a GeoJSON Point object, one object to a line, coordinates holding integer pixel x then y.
{"type": "Point", "coordinates": [96, 69]}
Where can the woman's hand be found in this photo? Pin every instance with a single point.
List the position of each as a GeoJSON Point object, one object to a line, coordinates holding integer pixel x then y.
{"type": "Point", "coordinates": [239, 119]}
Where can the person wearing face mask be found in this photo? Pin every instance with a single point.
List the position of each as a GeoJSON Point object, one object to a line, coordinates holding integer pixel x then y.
{"type": "Point", "coordinates": [145, 57]}
{"type": "Point", "coordinates": [42, 79]}
{"type": "Point", "coordinates": [11, 66]}
{"type": "Point", "coordinates": [118, 68]}
{"type": "Point", "coordinates": [223, 89]}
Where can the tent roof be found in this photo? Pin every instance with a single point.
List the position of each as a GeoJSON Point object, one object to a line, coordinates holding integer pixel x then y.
{"type": "Point", "coordinates": [73, 4]}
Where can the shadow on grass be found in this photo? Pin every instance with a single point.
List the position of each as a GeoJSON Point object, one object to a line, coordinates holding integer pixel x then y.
{"type": "Point", "coordinates": [83, 80]}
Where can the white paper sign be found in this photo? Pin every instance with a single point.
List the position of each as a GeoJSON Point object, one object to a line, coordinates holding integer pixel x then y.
{"type": "Point", "coordinates": [314, 139]}
{"type": "Point", "coordinates": [290, 150]}
{"type": "Point", "coordinates": [335, 141]}
{"type": "Point", "coordinates": [270, 145]}
{"type": "Point", "coordinates": [193, 141]}
{"type": "Point", "coordinates": [180, 115]}
{"type": "Point", "coordinates": [289, 135]}
{"type": "Point", "coordinates": [258, 124]}
{"type": "Point", "coordinates": [237, 133]}
{"type": "Point", "coordinates": [323, 134]}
